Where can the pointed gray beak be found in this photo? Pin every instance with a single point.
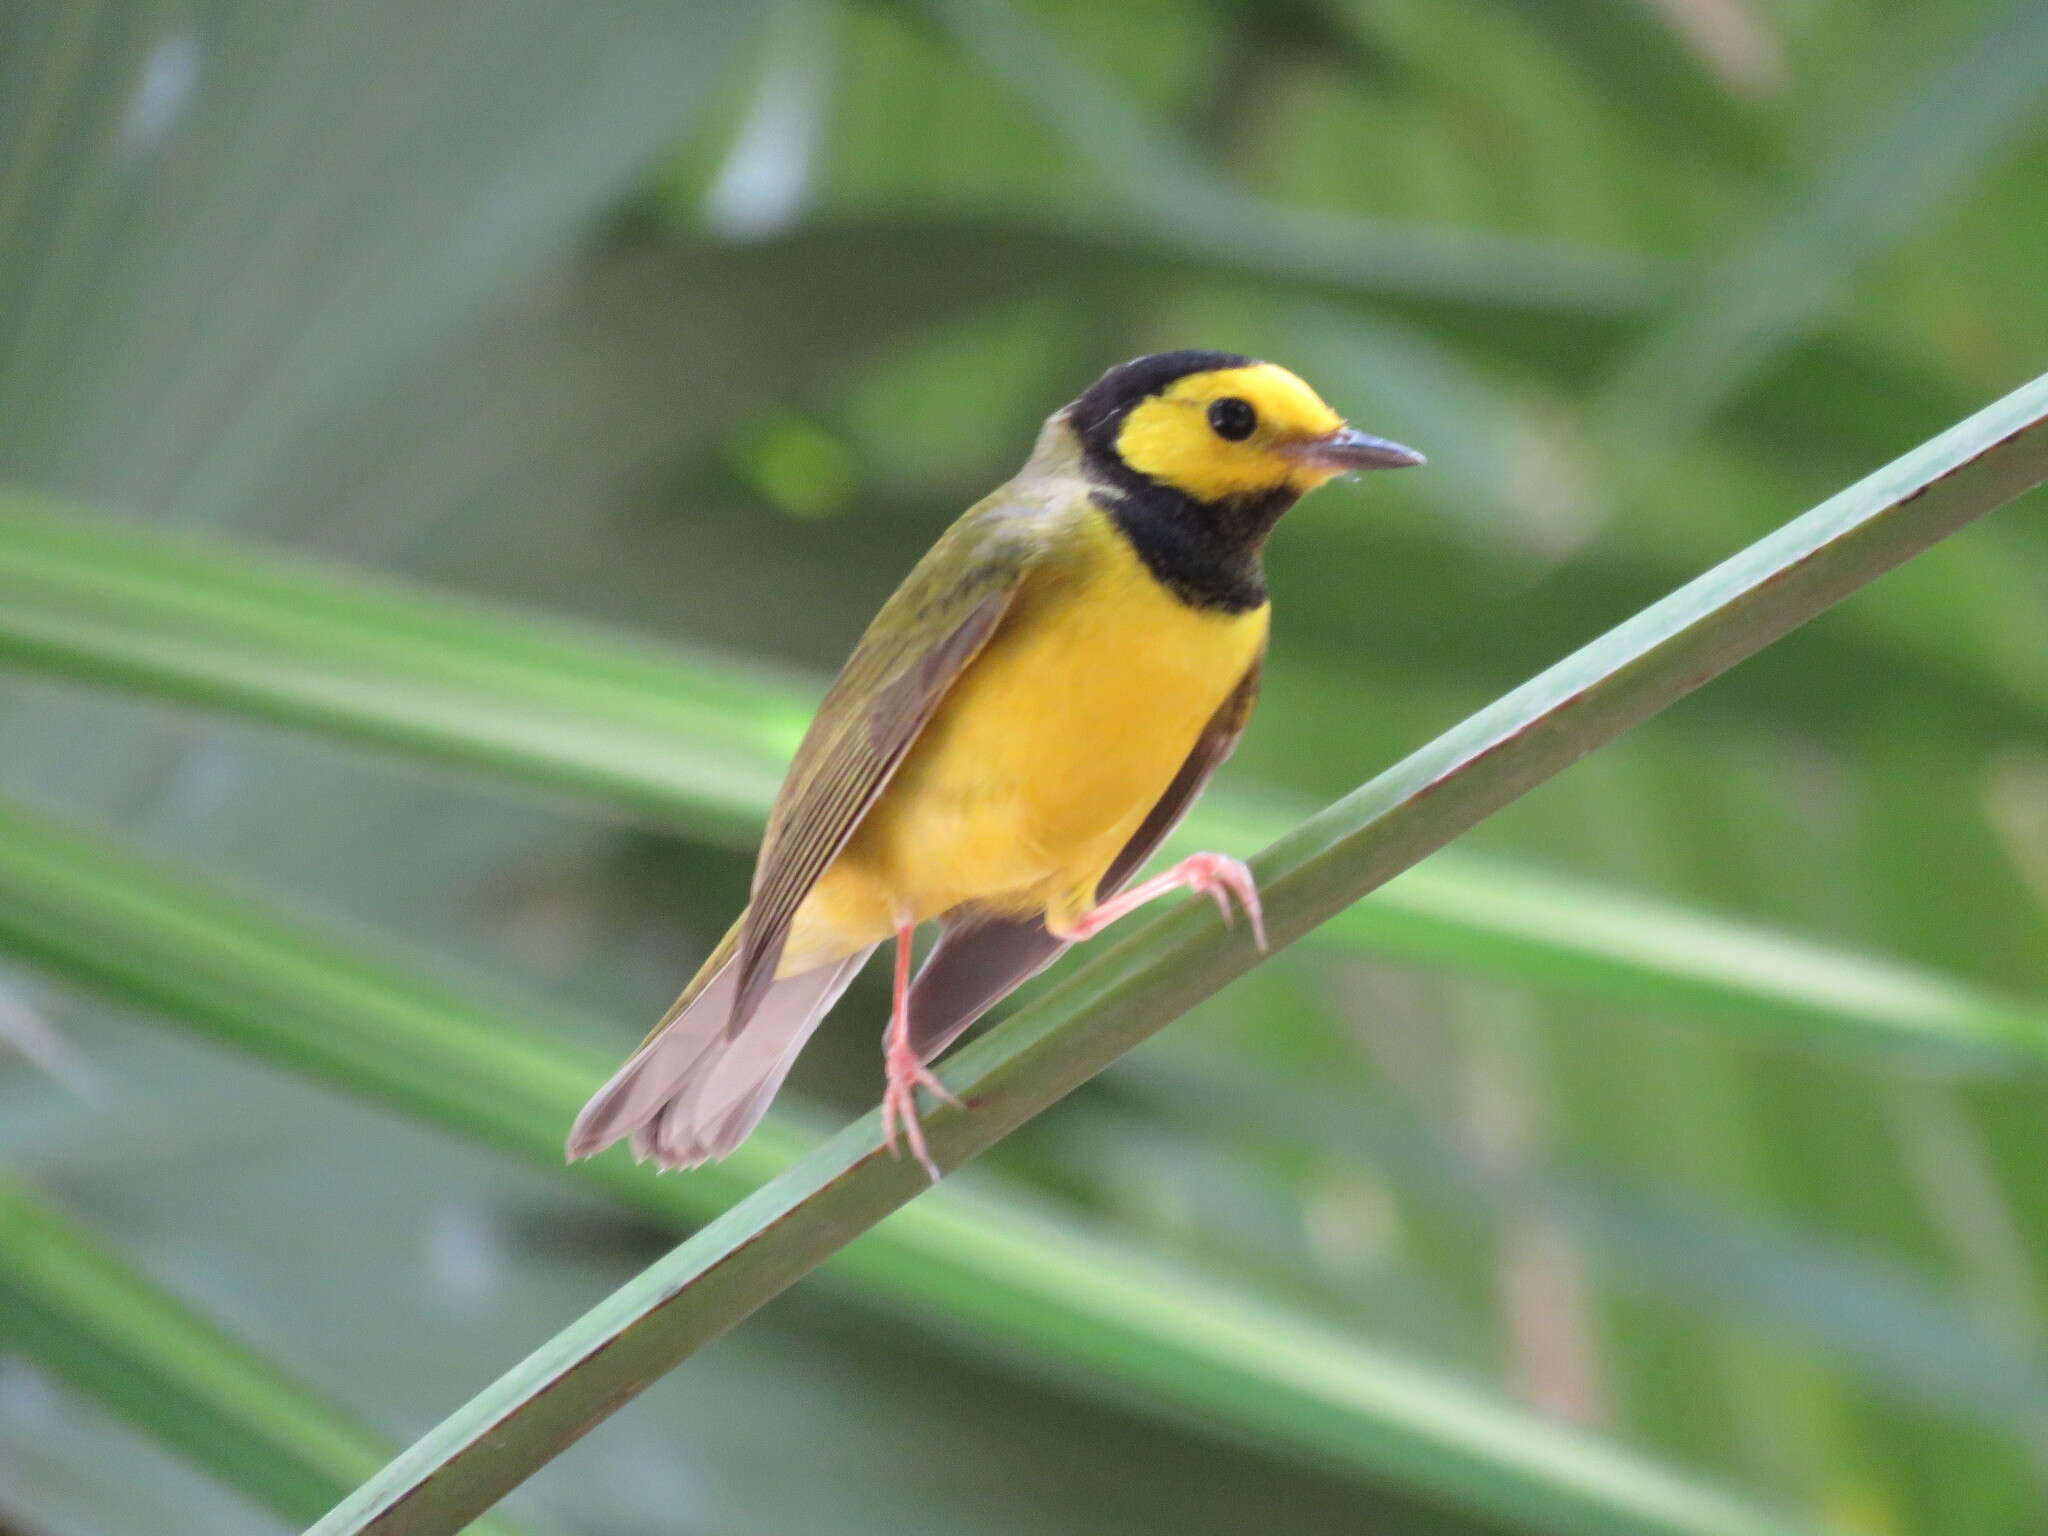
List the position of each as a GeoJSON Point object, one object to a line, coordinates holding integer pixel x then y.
{"type": "Point", "coordinates": [1349, 448]}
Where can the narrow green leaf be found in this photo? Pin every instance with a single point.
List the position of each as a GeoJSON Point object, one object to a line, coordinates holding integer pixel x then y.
{"type": "Point", "coordinates": [1437, 1438]}
{"type": "Point", "coordinates": [1925, 147]}
{"type": "Point", "coordinates": [1164, 187]}
{"type": "Point", "coordinates": [75, 1308]}
{"type": "Point", "coordinates": [701, 744]}
{"type": "Point", "coordinates": [1907, 1333]}
{"type": "Point", "coordinates": [1003, 1268]}
{"type": "Point", "coordinates": [165, 941]}
{"type": "Point", "coordinates": [697, 747]}
{"type": "Point", "coordinates": [266, 123]}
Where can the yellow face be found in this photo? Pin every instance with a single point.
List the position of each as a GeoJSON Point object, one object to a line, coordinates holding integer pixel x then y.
{"type": "Point", "coordinates": [1230, 432]}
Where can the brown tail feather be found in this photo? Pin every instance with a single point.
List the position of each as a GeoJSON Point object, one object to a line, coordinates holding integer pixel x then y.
{"type": "Point", "coordinates": [694, 1089]}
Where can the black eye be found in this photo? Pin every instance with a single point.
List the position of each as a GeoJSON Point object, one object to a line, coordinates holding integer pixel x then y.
{"type": "Point", "coordinates": [1233, 418]}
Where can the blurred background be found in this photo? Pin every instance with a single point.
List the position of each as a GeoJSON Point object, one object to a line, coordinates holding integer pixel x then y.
{"type": "Point", "coordinates": [696, 323]}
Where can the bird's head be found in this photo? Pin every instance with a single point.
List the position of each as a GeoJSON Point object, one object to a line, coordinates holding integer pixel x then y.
{"type": "Point", "coordinates": [1220, 430]}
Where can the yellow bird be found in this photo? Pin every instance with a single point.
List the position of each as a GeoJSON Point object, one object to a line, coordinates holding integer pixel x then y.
{"type": "Point", "coordinates": [1021, 725]}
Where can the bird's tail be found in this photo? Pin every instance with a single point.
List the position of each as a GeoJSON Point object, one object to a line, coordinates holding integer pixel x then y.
{"type": "Point", "coordinates": [695, 1088]}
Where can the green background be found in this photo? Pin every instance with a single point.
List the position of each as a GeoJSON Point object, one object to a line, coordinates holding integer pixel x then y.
{"type": "Point", "coordinates": [699, 322]}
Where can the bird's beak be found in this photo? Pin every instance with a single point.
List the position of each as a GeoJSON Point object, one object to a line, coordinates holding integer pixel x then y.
{"type": "Point", "coordinates": [1347, 448]}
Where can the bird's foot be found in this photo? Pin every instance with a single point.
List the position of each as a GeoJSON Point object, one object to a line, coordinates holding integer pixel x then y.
{"type": "Point", "coordinates": [906, 1074]}
{"type": "Point", "coordinates": [1215, 875]}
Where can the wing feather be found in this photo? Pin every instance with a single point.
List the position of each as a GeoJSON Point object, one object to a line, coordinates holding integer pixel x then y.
{"type": "Point", "coordinates": [924, 637]}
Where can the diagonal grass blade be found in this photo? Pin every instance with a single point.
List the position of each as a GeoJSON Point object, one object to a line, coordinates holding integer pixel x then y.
{"type": "Point", "coordinates": [770, 1240]}
{"type": "Point", "coordinates": [68, 1303]}
{"type": "Point", "coordinates": [700, 743]}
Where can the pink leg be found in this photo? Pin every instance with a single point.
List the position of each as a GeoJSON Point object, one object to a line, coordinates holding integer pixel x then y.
{"type": "Point", "coordinates": [905, 1073]}
{"type": "Point", "coordinates": [1205, 874]}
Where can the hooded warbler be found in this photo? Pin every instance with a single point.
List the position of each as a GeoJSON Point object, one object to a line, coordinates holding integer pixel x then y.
{"type": "Point", "coordinates": [1024, 721]}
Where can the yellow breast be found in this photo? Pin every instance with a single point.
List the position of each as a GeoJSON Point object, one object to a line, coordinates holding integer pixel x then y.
{"type": "Point", "coordinates": [1046, 754]}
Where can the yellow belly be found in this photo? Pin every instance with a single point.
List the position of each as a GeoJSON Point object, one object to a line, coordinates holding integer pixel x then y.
{"type": "Point", "coordinates": [1044, 758]}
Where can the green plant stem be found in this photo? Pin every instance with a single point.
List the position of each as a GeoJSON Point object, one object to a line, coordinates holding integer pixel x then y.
{"type": "Point", "coordinates": [784, 1230]}
{"type": "Point", "coordinates": [73, 1307]}
{"type": "Point", "coordinates": [702, 744]}
{"type": "Point", "coordinates": [1002, 1268]}
{"type": "Point", "coordinates": [1929, 145]}
{"type": "Point", "coordinates": [1184, 203]}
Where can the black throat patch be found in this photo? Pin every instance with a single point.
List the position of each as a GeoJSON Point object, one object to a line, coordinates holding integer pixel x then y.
{"type": "Point", "coordinates": [1206, 553]}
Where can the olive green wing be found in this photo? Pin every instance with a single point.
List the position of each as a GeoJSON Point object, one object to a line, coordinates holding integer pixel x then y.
{"type": "Point", "coordinates": [980, 959]}
{"type": "Point", "coordinates": [924, 637]}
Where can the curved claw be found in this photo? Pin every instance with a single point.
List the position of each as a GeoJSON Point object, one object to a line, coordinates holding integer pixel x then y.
{"type": "Point", "coordinates": [1222, 877]}
{"type": "Point", "coordinates": [1215, 875]}
{"type": "Point", "coordinates": [906, 1074]}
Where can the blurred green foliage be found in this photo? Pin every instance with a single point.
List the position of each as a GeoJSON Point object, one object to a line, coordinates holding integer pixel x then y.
{"type": "Point", "coordinates": [702, 320]}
